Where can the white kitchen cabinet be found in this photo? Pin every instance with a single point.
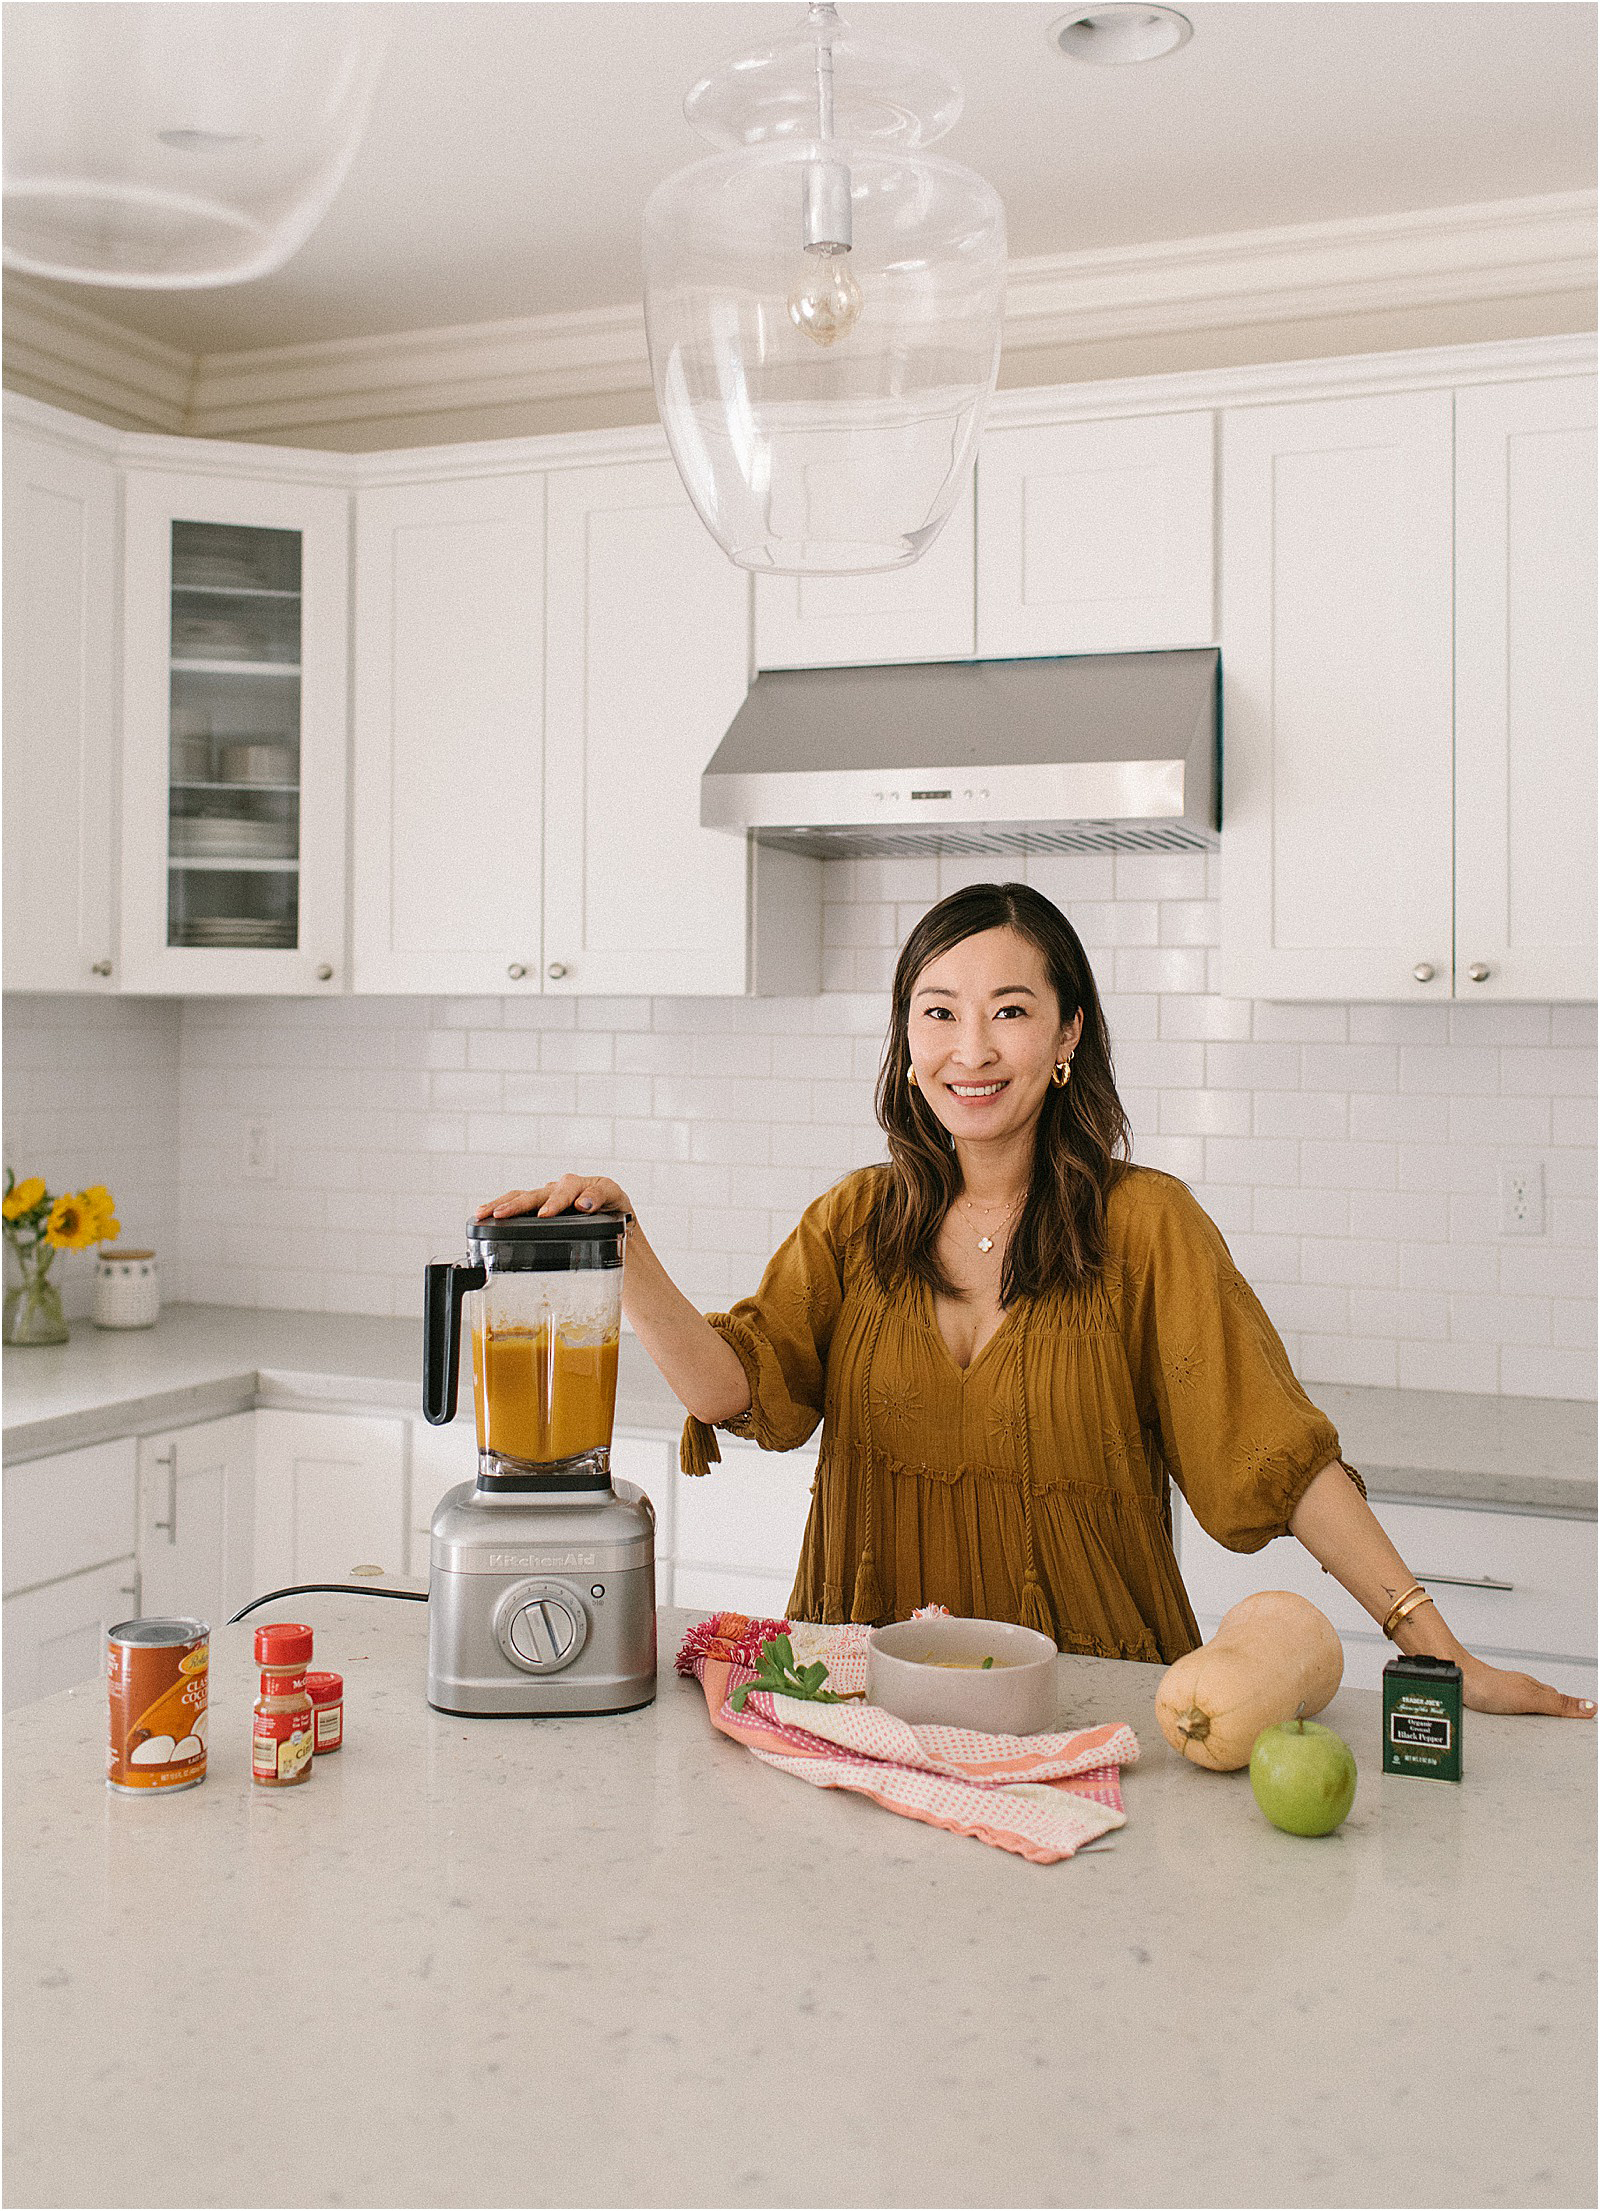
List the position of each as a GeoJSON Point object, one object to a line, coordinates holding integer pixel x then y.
{"type": "Point", "coordinates": [924, 612]}
{"type": "Point", "coordinates": [54, 1636]}
{"type": "Point", "coordinates": [59, 722]}
{"type": "Point", "coordinates": [235, 728]}
{"type": "Point", "coordinates": [69, 1565]}
{"type": "Point", "coordinates": [739, 1529]}
{"type": "Point", "coordinates": [1337, 680]}
{"type": "Point", "coordinates": [330, 1496]}
{"type": "Point", "coordinates": [448, 754]}
{"type": "Point", "coordinates": [648, 660]}
{"type": "Point", "coordinates": [1096, 537]}
{"type": "Point", "coordinates": [1525, 690]}
{"type": "Point", "coordinates": [197, 1519]}
{"type": "Point", "coordinates": [1517, 1588]}
{"type": "Point", "coordinates": [68, 1512]}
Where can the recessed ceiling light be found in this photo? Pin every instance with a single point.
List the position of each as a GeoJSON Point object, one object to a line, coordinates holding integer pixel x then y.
{"type": "Point", "coordinates": [1121, 31]}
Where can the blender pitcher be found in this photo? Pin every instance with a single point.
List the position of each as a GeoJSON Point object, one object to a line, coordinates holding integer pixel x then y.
{"type": "Point", "coordinates": [542, 1299]}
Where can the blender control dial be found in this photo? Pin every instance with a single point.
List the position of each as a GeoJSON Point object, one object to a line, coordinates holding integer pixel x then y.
{"type": "Point", "coordinates": [541, 1625]}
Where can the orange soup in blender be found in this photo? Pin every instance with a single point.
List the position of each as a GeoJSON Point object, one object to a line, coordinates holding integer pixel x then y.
{"type": "Point", "coordinates": [540, 1396]}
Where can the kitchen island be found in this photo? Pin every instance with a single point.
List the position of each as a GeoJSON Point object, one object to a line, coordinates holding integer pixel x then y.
{"type": "Point", "coordinates": [619, 1961]}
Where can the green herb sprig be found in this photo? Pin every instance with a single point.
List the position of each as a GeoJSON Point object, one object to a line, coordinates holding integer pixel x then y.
{"type": "Point", "coordinates": [776, 1670]}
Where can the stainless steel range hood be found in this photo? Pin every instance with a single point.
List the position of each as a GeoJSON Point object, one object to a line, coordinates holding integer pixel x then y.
{"type": "Point", "coordinates": [1100, 752]}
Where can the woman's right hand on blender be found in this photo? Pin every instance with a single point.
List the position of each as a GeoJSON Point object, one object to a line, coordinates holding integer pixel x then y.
{"type": "Point", "coordinates": [581, 1193]}
{"type": "Point", "coordinates": [703, 1370]}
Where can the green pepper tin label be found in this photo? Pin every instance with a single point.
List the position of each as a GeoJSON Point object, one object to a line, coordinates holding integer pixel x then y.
{"type": "Point", "coordinates": [1422, 1718]}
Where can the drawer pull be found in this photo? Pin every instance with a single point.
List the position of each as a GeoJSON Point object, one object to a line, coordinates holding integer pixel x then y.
{"type": "Point", "coordinates": [1464, 1581]}
{"type": "Point", "coordinates": [169, 1459]}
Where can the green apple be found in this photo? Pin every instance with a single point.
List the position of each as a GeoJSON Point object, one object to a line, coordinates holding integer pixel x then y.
{"type": "Point", "coordinates": [1304, 1777]}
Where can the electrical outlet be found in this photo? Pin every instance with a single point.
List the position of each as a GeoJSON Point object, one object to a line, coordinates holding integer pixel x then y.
{"type": "Point", "coordinates": [1522, 1201]}
{"type": "Point", "coordinates": [260, 1151]}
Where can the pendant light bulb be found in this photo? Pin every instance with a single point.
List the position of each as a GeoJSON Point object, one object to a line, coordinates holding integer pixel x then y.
{"type": "Point", "coordinates": [826, 303]}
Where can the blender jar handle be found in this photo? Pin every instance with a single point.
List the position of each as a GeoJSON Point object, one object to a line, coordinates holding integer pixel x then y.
{"type": "Point", "coordinates": [447, 1284]}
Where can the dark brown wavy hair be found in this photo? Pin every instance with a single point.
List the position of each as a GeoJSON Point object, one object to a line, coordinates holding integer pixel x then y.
{"type": "Point", "coordinates": [1081, 1144]}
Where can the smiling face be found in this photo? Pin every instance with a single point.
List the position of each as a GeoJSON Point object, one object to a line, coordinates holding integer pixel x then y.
{"type": "Point", "coordinates": [985, 1032]}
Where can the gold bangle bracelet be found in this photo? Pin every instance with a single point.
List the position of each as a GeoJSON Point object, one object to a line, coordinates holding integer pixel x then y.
{"type": "Point", "coordinates": [1414, 1597]}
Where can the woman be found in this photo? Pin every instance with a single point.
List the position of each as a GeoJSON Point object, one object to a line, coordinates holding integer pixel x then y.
{"type": "Point", "coordinates": [1013, 1339]}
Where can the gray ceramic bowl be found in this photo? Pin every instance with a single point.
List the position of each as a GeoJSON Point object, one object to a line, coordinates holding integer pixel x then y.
{"type": "Point", "coordinates": [1015, 1696]}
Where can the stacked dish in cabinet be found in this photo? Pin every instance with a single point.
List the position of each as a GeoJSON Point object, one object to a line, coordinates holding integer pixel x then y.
{"type": "Point", "coordinates": [233, 829]}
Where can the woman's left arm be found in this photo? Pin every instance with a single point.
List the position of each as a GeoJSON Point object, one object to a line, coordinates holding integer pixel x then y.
{"type": "Point", "coordinates": [1342, 1532]}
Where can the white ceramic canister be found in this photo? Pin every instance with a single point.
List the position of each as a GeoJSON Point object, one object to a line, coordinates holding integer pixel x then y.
{"type": "Point", "coordinates": [127, 1289]}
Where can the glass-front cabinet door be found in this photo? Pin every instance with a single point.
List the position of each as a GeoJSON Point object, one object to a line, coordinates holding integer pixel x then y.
{"type": "Point", "coordinates": [234, 756]}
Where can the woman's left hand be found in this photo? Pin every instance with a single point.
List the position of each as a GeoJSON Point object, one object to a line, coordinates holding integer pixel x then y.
{"type": "Point", "coordinates": [1487, 1688]}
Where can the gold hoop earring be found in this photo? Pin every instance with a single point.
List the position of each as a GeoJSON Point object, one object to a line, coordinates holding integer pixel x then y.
{"type": "Point", "coordinates": [1062, 1074]}
{"type": "Point", "coordinates": [911, 1077]}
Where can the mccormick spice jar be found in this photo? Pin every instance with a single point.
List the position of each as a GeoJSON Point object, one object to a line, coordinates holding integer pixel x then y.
{"type": "Point", "coordinates": [282, 1745]}
{"type": "Point", "coordinates": [326, 1692]}
{"type": "Point", "coordinates": [157, 1673]}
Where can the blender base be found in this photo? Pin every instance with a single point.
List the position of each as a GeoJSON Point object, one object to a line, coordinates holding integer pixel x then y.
{"type": "Point", "coordinates": [542, 1605]}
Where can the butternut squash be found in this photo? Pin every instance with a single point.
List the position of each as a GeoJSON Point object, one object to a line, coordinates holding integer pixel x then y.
{"type": "Point", "coordinates": [1272, 1656]}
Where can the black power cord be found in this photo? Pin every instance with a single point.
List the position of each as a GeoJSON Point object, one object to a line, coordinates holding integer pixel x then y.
{"type": "Point", "coordinates": [330, 1589]}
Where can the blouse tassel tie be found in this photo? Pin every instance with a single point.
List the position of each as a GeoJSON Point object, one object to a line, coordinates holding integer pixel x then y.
{"type": "Point", "coordinates": [869, 1605]}
{"type": "Point", "coordinates": [1035, 1604]}
{"type": "Point", "coordinates": [698, 1452]}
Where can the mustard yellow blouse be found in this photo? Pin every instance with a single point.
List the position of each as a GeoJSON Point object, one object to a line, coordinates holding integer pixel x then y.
{"type": "Point", "coordinates": [1031, 1486]}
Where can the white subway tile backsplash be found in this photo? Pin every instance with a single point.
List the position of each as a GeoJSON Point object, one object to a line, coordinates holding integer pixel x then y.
{"type": "Point", "coordinates": [1366, 1361]}
{"type": "Point", "coordinates": [1356, 1261]}
{"type": "Point", "coordinates": [1196, 1112]}
{"type": "Point", "coordinates": [1206, 1019]}
{"type": "Point", "coordinates": [1527, 1371]}
{"type": "Point", "coordinates": [1176, 968]}
{"type": "Point", "coordinates": [1161, 875]}
{"type": "Point", "coordinates": [1531, 1267]}
{"type": "Point", "coordinates": [1454, 1070]}
{"type": "Point", "coordinates": [1075, 878]}
{"type": "Point", "coordinates": [1257, 1160]}
{"type": "Point", "coordinates": [1429, 1024]}
{"type": "Point", "coordinates": [1518, 1123]}
{"type": "Point", "coordinates": [1312, 1113]}
{"type": "Point", "coordinates": [1448, 1366]}
{"type": "Point", "coordinates": [1273, 1023]}
{"type": "Point", "coordinates": [1253, 1066]}
{"type": "Point", "coordinates": [1350, 1154]}
{"type": "Point", "coordinates": [1550, 1073]}
{"type": "Point", "coordinates": [1500, 1320]}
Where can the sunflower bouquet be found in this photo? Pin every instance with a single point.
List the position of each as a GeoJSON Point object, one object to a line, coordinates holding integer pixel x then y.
{"type": "Point", "coordinates": [37, 1226]}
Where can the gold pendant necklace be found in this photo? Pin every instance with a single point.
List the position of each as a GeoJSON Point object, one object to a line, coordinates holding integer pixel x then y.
{"type": "Point", "coordinates": [986, 1241]}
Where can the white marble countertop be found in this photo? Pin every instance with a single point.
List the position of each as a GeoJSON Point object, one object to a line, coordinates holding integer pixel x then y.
{"type": "Point", "coordinates": [201, 1361]}
{"type": "Point", "coordinates": [618, 1961]}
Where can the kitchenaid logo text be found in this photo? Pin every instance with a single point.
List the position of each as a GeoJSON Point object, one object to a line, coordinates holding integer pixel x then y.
{"type": "Point", "coordinates": [521, 1561]}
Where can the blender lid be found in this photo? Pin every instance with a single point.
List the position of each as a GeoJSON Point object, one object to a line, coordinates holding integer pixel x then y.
{"type": "Point", "coordinates": [556, 1228]}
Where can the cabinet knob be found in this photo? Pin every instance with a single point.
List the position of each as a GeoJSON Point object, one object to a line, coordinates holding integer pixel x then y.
{"type": "Point", "coordinates": [516, 971]}
{"type": "Point", "coordinates": [101, 967]}
{"type": "Point", "coordinates": [556, 970]}
{"type": "Point", "coordinates": [1423, 971]}
{"type": "Point", "coordinates": [324, 973]}
{"type": "Point", "coordinates": [1478, 972]}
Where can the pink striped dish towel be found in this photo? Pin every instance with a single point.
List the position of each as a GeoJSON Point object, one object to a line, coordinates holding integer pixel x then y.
{"type": "Point", "coordinates": [1041, 1796]}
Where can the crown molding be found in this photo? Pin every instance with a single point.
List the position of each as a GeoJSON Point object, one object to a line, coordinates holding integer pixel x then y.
{"type": "Point", "coordinates": [60, 351]}
{"type": "Point", "coordinates": [75, 357]}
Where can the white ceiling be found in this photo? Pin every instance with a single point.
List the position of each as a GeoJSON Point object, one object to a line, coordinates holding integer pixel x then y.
{"type": "Point", "coordinates": [514, 142]}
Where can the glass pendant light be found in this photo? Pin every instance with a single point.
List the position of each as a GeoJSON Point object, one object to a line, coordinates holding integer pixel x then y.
{"type": "Point", "coordinates": [823, 302]}
{"type": "Point", "coordinates": [165, 146]}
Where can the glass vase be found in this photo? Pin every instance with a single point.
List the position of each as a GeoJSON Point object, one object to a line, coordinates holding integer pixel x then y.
{"type": "Point", "coordinates": [33, 1312]}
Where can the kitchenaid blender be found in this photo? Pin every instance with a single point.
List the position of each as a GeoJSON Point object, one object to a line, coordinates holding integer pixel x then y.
{"type": "Point", "coordinates": [542, 1583]}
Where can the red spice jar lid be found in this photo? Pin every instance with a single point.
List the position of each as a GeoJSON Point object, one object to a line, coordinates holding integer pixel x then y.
{"type": "Point", "coordinates": [283, 1643]}
{"type": "Point", "coordinates": [325, 1688]}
